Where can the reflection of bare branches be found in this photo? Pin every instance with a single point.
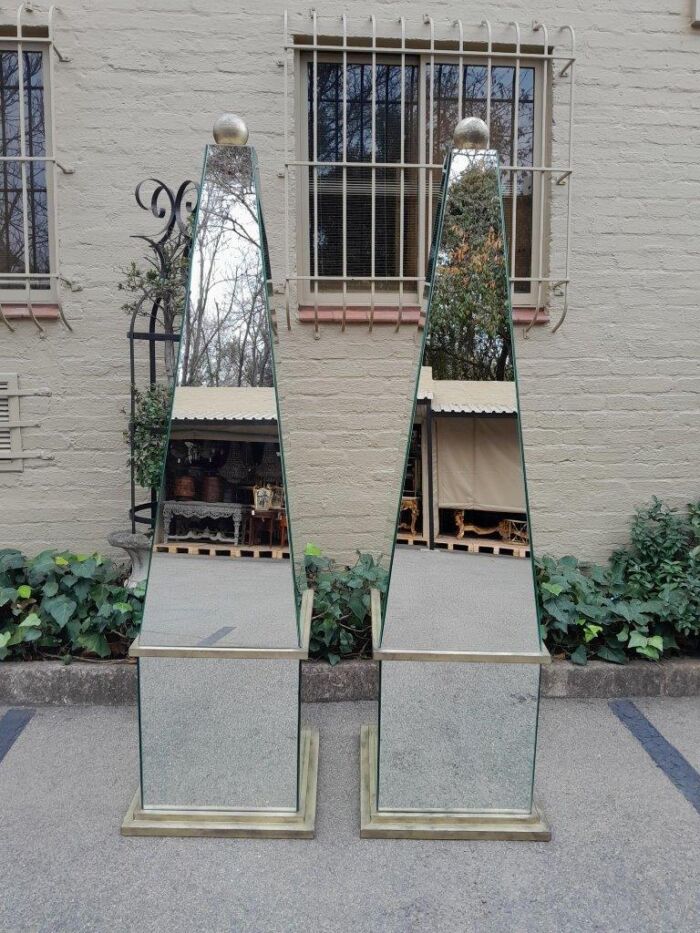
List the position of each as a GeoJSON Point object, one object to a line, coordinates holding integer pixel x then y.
{"type": "Point", "coordinates": [226, 341]}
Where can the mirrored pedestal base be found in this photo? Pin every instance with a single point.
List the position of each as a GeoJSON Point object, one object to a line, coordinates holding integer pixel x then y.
{"type": "Point", "coordinates": [436, 824]}
{"type": "Point", "coordinates": [274, 824]}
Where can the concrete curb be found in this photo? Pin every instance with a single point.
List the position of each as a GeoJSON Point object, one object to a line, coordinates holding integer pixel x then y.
{"type": "Point", "coordinates": [50, 683]}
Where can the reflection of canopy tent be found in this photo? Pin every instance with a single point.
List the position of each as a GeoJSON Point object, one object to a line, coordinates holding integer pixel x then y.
{"type": "Point", "coordinates": [240, 414]}
{"type": "Point", "coordinates": [475, 446]}
{"type": "Point", "coordinates": [476, 454]}
{"type": "Point", "coordinates": [478, 464]}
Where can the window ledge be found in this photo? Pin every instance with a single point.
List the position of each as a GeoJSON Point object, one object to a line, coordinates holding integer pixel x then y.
{"type": "Point", "coordinates": [359, 314]}
{"type": "Point", "coordinates": [20, 312]}
{"type": "Point", "coordinates": [525, 316]}
{"type": "Point", "coordinates": [383, 314]}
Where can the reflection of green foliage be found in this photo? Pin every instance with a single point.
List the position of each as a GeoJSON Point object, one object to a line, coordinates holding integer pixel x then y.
{"type": "Point", "coordinates": [469, 336]}
{"type": "Point", "coordinates": [341, 627]}
{"type": "Point", "coordinates": [151, 413]}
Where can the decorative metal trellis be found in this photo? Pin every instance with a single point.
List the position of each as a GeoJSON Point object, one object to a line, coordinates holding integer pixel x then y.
{"type": "Point", "coordinates": [175, 208]}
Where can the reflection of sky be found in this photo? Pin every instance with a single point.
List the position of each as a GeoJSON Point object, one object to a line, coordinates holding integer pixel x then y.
{"type": "Point", "coordinates": [223, 244]}
{"type": "Point", "coordinates": [226, 332]}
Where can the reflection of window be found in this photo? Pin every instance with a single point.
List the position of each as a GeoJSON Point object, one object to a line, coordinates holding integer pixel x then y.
{"type": "Point", "coordinates": [24, 241]}
{"type": "Point", "coordinates": [502, 119]}
{"type": "Point", "coordinates": [372, 224]}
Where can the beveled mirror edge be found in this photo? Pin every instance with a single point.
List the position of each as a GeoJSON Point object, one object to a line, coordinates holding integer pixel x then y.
{"type": "Point", "coordinates": [424, 315]}
{"type": "Point", "coordinates": [463, 656]}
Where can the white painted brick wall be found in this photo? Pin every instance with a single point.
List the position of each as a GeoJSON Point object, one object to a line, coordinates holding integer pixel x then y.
{"type": "Point", "coordinates": [610, 402]}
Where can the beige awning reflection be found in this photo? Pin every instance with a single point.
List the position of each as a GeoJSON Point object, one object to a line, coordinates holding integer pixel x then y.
{"type": "Point", "coordinates": [478, 464]}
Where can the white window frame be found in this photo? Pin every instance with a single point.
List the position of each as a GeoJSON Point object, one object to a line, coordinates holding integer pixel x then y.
{"type": "Point", "coordinates": [411, 290]}
{"type": "Point", "coordinates": [514, 45]}
{"type": "Point", "coordinates": [27, 294]}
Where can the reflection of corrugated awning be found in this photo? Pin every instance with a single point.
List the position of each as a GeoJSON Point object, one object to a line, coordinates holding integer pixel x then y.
{"type": "Point", "coordinates": [204, 403]}
{"type": "Point", "coordinates": [467, 397]}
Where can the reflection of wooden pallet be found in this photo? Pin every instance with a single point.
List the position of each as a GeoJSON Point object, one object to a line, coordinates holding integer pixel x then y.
{"type": "Point", "coordinates": [408, 538]}
{"type": "Point", "coordinates": [482, 546]}
{"type": "Point", "coordinates": [214, 550]}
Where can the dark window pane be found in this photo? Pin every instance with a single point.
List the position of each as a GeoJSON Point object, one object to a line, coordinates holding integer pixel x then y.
{"type": "Point", "coordinates": [12, 258]}
{"type": "Point", "coordinates": [373, 119]}
{"type": "Point", "coordinates": [326, 224]}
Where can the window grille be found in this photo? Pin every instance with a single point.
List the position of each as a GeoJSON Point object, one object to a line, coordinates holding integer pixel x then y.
{"type": "Point", "coordinates": [29, 264]}
{"type": "Point", "coordinates": [374, 119]}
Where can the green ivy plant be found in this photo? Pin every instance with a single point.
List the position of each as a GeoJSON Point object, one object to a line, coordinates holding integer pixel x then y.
{"type": "Point", "coordinates": [341, 626]}
{"type": "Point", "coordinates": [60, 604]}
{"type": "Point", "coordinates": [644, 603]}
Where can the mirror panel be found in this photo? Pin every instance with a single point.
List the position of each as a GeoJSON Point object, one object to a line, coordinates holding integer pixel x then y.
{"type": "Point", "coordinates": [464, 475]}
{"type": "Point", "coordinates": [222, 731]}
{"type": "Point", "coordinates": [457, 733]}
{"type": "Point", "coordinates": [223, 493]}
{"type": "Point", "coordinates": [218, 734]}
{"type": "Point", "coordinates": [457, 736]}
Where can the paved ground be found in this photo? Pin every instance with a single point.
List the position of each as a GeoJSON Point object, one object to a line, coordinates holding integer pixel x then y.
{"type": "Point", "coordinates": [450, 600]}
{"type": "Point", "coordinates": [625, 854]}
{"type": "Point", "coordinates": [189, 602]}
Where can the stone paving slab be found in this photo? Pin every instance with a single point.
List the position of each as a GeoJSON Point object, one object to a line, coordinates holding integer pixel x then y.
{"type": "Point", "coordinates": [624, 857]}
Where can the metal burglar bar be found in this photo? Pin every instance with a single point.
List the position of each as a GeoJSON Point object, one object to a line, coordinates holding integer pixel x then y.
{"type": "Point", "coordinates": [378, 115]}
{"type": "Point", "coordinates": [26, 158]}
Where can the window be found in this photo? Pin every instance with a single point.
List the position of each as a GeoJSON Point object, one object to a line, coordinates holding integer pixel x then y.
{"type": "Point", "coordinates": [25, 255]}
{"type": "Point", "coordinates": [11, 457]}
{"type": "Point", "coordinates": [371, 154]}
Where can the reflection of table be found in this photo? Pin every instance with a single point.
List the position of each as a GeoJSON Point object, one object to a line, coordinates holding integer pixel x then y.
{"type": "Point", "coordinates": [200, 511]}
{"type": "Point", "coordinates": [410, 504]}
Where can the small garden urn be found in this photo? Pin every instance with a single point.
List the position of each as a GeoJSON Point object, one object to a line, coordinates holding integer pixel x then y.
{"type": "Point", "coordinates": [138, 547]}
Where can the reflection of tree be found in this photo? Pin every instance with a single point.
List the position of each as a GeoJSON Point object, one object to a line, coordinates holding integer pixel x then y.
{"type": "Point", "coordinates": [469, 335]}
{"type": "Point", "coordinates": [226, 341]}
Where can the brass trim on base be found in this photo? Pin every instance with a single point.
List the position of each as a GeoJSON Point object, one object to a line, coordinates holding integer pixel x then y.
{"type": "Point", "coordinates": [271, 824]}
{"type": "Point", "coordinates": [463, 657]}
{"type": "Point", "coordinates": [231, 652]}
{"type": "Point", "coordinates": [436, 824]}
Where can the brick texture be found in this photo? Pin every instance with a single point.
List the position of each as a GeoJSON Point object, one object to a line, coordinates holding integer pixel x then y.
{"type": "Point", "coordinates": [610, 402]}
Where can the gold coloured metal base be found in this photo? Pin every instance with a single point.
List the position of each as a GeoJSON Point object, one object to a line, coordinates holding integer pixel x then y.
{"type": "Point", "coordinates": [273, 824]}
{"type": "Point", "coordinates": [435, 824]}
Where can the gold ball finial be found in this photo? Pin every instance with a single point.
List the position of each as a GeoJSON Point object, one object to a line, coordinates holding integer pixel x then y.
{"type": "Point", "coordinates": [471, 133]}
{"type": "Point", "coordinates": [230, 130]}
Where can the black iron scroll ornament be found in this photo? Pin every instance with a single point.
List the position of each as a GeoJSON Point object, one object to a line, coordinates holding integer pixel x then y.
{"type": "Point", "coordinates": [171, 244]}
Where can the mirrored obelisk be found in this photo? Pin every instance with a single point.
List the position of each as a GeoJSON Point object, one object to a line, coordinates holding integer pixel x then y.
{"type": "Point", "coordinates": [453, 754]}
{"type": "Point", "coordinates": [225, 624]}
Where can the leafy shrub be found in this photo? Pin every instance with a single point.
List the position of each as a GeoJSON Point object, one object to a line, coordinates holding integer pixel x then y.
{"type": "Point", "coordinates": [662, 563]}
{"type": "Point", "coordinates": [150, 426]}
{"type": "Point", "coordinates": [59, 604]}
{"type": "Point", "coordinates": [341, 626]}
{"type": "Point", "coordinates": [644, 603]}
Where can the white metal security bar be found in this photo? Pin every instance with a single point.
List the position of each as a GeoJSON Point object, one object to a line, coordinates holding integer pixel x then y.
{"type": "Point", "coordinates": [428, 53]}
{"type": "Point", "coordinates": [49, 159]}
